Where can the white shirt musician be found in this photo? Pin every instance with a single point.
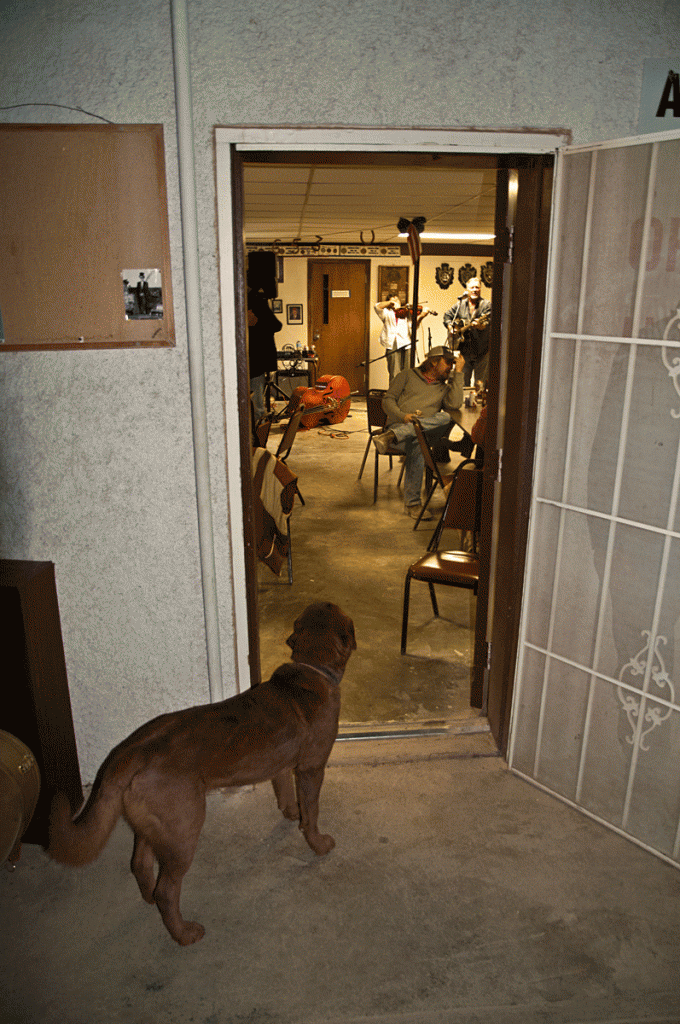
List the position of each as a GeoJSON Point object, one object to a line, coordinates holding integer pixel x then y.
{"type": "Point", "coordinates": [396, 332]}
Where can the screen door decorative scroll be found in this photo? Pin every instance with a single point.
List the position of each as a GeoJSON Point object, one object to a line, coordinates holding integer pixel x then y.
{"type": "Point", "coordinates": [596, 715]}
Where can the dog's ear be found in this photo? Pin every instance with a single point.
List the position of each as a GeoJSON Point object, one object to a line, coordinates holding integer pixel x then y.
{"type": "Point", "coordinates": [343, 639]}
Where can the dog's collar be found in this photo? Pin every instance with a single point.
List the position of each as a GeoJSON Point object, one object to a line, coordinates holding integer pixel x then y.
{"type": "Point", "coordinates": [331, 676]}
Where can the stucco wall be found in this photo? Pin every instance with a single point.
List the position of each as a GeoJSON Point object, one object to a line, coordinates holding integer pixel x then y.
{"type": "Point", "coordinates": [97, 463]}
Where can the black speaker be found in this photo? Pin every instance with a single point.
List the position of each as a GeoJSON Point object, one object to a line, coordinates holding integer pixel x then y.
{"type": "Point", "coordinates": [262, 273]}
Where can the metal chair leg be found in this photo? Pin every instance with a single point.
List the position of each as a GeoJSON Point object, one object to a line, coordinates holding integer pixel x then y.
{"type": "Point", "coordinates": [370, 438]}
{"type": "Point", "coordinates": [404, 621]}
{"type": "Point", "coordinates": [427, 502]}
{"type": "Point", "coordinates": [290, 554]}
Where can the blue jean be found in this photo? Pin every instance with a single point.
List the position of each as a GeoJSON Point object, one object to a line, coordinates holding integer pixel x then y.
{"type": "Point", "coordinates": [396, 362]}
{"type": "Point", "coordinates": [435, 428]}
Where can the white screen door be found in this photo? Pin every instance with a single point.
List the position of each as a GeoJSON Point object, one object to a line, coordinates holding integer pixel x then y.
{"type": "Point", "coordinates": [596, 715]}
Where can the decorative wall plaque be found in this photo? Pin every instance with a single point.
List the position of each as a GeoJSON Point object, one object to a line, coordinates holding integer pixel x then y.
{"type": "Point", "coordinates": [487, 274]}
{"type": "Point", "coordinates": [444, 275]}
{"type": "Point", "coordinates": [465, 273]}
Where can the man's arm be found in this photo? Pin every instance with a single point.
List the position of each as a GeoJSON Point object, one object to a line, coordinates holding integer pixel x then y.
{"type": "Point", "coordinates": [390, 400]}
{"type": "Point", "coordinates": [381, 306]}
{"type": "Point", "coordinates": [483, 311]}
{"type": "Point", "coordinates": [450, 314]}
{"type": "Point", "coordinates": [455, 395]}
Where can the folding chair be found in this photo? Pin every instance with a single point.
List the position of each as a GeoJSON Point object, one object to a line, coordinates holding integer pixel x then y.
{"type": "Point", "coordinates": [433, 477]}
{"type": "Point", "coordinates": [286, 442]}
{"type": "Point", "coordinates": [377, 420]}
{"type": "Point", "coordinates": [288, 436]}
{"type": "Point", "coordinates": [450, 568]}
{"type": "Point", "coordinates": [261, 431]}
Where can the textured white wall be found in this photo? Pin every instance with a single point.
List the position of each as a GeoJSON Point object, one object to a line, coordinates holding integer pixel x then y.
{"type": "Point", "coordinates": [97, 467]}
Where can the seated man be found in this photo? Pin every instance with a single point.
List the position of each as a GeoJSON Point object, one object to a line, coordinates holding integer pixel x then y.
{"type": "Point", "coordinates": [429, 394]}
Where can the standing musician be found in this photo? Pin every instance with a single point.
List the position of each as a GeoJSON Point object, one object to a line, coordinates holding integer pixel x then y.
{"type": "Point", "coordinates": [396, 332]}
{"type": "Point", "coordinates": [469, 320]}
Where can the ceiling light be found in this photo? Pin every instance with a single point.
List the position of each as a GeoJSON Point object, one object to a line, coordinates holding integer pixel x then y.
{"type": "Point", "coordinates": [471, 237]}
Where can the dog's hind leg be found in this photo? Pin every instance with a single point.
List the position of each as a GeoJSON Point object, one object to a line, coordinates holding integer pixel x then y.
{"type": "Point", "coordinates": [168, 813]}
{"type": "Point", "coordinates": [166, 897]}
{"type": "Point", "coordinates": [308, 789]}
{"type": "Point", "coordinates": [285, 795]}
{"type": "Point", "coordinates": [142, 867]}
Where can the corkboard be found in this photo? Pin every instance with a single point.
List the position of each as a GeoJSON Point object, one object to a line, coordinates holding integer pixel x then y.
{"type": "Point", "coordinates": [78, 205]}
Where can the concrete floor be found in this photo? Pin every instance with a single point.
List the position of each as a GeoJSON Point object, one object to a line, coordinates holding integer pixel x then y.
{"type": "Point", "coordinates": [353, 552]}
{"type": "Point", "coordinates": [456, 892]}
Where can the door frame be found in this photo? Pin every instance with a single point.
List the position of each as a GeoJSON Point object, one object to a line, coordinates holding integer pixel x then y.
{"type": "Point", "coordinates": [531, 152]}
{"type": "Point", "coordinates": [515, 350]}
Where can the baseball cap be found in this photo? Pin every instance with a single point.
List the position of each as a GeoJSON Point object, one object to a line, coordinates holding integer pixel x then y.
{"type": "Point", "coordinates": [441, 352]}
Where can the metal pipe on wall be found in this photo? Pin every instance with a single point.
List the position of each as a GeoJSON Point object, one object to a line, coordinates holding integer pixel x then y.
{"type": "Point", "coordinates": [187, 186]}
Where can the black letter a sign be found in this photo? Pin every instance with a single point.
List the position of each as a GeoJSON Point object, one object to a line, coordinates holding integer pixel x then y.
{"type": "Point", "coordinates": [670, 97]}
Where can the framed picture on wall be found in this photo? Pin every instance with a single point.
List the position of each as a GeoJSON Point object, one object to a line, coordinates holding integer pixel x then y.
{"type": "Point", "coordinates": [393, 281]}
{"type": "Point", "coordinates": [294, 313]}
{"type": "Point", "coordinates": [277, 305]}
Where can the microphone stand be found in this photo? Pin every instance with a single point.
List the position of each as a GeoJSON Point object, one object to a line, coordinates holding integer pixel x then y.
{"type": "Point", "coordinates": [376, 360]}
{"type": "Point", "coordinates": [414, 321]}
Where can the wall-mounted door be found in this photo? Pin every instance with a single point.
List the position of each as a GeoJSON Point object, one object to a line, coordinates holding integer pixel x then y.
{"type": "Point", "coordinates": [338, 317]}
{"type": "Point", "coordinates": [596, 717]}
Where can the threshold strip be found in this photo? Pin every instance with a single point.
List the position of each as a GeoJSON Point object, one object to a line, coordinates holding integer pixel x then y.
{"type": "Point", "coordinates": [470, 727]}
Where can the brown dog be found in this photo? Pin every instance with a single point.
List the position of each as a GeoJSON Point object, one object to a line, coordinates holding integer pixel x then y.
{"type": "Point", "coordinates": [158, 777]}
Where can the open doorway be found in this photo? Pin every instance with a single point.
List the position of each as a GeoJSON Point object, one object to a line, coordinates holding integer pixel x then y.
{"type": "Point", "coordinates": [523, 315]}
{"type": "Point", "coordinates": [350, 540]}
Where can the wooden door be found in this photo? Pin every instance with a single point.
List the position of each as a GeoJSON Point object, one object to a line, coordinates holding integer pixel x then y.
{"type": "Point", "coordinates": [338, 320]}
{"type": "Point", "coordinates": [515, 348]}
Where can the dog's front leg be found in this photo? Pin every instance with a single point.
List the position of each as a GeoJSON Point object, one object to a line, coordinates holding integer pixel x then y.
{"type": "Point", "coordinates": [285, 794]}
{"type": "Point", "coordinates": [308, 789]}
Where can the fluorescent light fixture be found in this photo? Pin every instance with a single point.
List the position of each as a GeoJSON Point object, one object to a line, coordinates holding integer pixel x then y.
{"type": "Point", "coordinates": [443, 235]}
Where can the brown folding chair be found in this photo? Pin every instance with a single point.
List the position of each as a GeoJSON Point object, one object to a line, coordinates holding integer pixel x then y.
{"type": "Point", "coordinates": [288, 436]}
{"type": "Point", "coordinates": [433, 478]}
{"type": "Point", "coordinates": [377, 420]}
{"type": "Point", "coordinates": [450, 568]}
{"type": "Point", "coordinates": [261, 431]}
{"type": "Point", "coordinates": [286, 442]}
{"type": "Point", "coordinates": [463, 501]}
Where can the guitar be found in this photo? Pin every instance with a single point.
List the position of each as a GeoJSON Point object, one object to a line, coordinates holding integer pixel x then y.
{"type": "Point", "coordinates": [459, 326]}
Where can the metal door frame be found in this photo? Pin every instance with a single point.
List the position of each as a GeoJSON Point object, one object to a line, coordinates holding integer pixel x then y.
{"type": "Point", "coordinates": [228, 142]}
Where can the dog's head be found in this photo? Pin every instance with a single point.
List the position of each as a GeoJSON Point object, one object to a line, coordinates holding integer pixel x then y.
{"type": "Point", "coordinates": [323, 635]}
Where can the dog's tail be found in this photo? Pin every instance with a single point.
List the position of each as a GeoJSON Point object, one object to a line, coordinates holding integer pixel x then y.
{"type": "Point", "coordinates": [79, 839]}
